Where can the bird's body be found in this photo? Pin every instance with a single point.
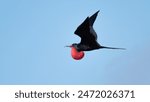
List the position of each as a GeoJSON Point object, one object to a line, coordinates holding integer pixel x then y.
{"type": "Point", "coordinates": [88, 38]}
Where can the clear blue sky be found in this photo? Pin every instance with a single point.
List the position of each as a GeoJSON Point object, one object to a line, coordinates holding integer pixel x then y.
{"type": "Point", "coordinates": [33, 34]}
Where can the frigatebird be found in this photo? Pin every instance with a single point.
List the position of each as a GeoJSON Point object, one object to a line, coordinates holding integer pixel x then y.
{"type": "Point", "coordinates": [88, 38]}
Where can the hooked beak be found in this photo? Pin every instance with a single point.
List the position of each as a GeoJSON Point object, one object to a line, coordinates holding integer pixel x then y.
{"type": "Point", "coordinates": [68, 46]}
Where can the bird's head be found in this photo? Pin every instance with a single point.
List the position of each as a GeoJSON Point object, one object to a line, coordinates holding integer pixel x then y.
{"type": "Point", "coordinates": [77, 55]}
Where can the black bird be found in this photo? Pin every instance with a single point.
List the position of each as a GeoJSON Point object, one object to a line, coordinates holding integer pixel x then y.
{"type": "Point", "coordinates": [88, 38]}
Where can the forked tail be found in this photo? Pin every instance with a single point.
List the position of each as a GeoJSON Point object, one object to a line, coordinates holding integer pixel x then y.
{"type": "Point", "coordinates": [112, 48]}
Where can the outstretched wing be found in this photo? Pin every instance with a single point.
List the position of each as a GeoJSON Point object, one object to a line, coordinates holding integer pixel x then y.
{"type": "Point", "coordinates": [93, 18]}
{"type": "Point", "coordinates": [86, 31]}
{"type": "Point", "coordinates": [83, 29]}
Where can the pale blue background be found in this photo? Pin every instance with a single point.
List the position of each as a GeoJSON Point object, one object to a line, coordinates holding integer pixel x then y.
{"type": "Point", "coordinates": [33, 34]}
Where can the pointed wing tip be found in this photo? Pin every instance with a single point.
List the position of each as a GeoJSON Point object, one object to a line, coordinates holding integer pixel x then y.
{"type": "Point", "coordinates": [97, 12]}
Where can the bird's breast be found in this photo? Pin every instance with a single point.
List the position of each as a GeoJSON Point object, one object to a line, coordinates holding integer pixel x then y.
{"type": "Point", "coordinates": [77, 55]}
